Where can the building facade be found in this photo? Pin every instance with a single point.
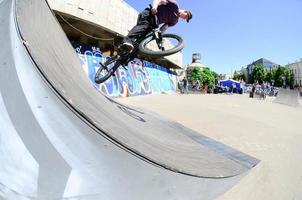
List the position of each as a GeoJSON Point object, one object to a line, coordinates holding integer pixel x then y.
{"type": "Point", "coordinates": [196, 62]}
{"type": "Point", "coordinates": [296, 69]}
{"type": "Point", "coordinates": [268, 65]}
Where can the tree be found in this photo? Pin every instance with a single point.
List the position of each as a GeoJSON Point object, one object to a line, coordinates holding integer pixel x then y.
{"type": "Point", "coordinates": [215, 74]}
{"type": "Point", "coordinates": [282, 75]}
{"type": "Point", "coordinates": [208, 77]}
{"type": "Point", "coordinates": [205, 76]}
{"type": "Point", "coordinates": [196, 74]}
{"type": "Point", "coordinates": [277, 76]}
{"type": "Point", "coordinates": [258, 74]}
{"type": "Point", "coordinates": [269, 77]}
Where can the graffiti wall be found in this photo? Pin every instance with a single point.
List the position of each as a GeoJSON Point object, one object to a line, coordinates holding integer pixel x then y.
{"type": "Point", "coordinates": [140, 78]}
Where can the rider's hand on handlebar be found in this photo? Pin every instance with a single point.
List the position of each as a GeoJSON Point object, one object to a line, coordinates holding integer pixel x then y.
{"type": "Point", "coordinates": [156, 3]}
{"type": "Point", "coordinates": [163, 2]}
{"type": "Point", "coordinates": [154, 11]}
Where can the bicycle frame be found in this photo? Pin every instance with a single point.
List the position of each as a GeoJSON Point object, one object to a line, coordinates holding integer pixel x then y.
{"type": "Point", "coordinates": [126, 57]}
{"type": "Point", "coordinates": [156, 34]}
{"type": "Point", "coordinates": [123, 58]}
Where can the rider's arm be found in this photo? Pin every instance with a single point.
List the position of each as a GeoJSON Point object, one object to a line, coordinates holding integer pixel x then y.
{"type": "Point", "coordinates": [156, 3]}
{"type": "Point", "coordinates": [164, 27]}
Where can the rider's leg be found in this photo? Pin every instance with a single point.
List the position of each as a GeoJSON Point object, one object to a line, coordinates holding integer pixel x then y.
{"type": "Point", "coordinates": [141, 29]}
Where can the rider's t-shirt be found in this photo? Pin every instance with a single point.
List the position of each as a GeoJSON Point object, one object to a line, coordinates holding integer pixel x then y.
{"type": "Point", "coordinates": [168, 13]}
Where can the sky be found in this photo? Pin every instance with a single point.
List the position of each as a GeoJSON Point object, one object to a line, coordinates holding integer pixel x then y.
{"type": "Point", "coordinates": [230, 34]}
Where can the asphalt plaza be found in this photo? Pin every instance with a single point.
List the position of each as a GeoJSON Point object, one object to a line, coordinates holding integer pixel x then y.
{"type": "Point", "coordinates": [269, 131]}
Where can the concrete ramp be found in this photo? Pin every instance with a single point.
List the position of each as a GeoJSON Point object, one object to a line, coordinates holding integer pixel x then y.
{"type": "Point", "coordinates": [287, 97]}
{"type": "Point", "coordinates": [62, 139]}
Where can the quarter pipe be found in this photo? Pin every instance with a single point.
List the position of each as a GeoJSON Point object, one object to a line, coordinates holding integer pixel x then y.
{"type": "Point", "coordinates": [60, 138]}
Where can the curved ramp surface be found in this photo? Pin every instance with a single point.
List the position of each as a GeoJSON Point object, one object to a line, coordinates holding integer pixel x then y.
{"type": "Point", "coordinates": [287, 97]}
{"type": "Point", "coordinates": [61, 138]}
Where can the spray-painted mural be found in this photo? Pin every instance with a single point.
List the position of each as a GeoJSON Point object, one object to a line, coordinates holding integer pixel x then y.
{"type": "Point", "coordinates": [140, 78]}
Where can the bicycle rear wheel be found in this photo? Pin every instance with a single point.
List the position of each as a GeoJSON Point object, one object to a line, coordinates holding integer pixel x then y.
{"type": "Point", "coordinates": [172, 44]}
{"type": "Point", "coordinates": [106, 70]}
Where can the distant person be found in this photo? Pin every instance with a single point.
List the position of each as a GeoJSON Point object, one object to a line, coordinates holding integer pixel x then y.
{"type": "Point", "coordinates": [196, 85]}
{"type": "Point", "coordinates": [185, 86]}
{"type": "Point", "coordinates": [241, 87]}
{"type": "Point", "coordinates": [254, 87]}
{"type": "Point", "coordinates": [262, 91]}
{"type": "Point", "coordinates": [180, 87]}
{"type": "Point", "coordinates": [252, 92]}
{"type": "Point", "coordinates": [226, 89]}
{"type": "Point", "coordinates": [205, 90]}
{"type": "Point", "coordinates": [167, 12]}
{"type": "Point", "coordinates": [234, 88]}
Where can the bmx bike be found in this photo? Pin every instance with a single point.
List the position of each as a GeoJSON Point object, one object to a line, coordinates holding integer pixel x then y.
{"type": "Point", "coordinates": [154, 44]}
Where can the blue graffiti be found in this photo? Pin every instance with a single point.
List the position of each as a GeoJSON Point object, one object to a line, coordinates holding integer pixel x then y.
{"type": "Point", "coordinates": [140, 78]}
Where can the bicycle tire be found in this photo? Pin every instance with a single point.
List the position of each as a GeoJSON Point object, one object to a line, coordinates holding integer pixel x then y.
{"type": "Point", "coordinates": [101, 79]}
{"type": "Point", "coordinates": [149, 52]}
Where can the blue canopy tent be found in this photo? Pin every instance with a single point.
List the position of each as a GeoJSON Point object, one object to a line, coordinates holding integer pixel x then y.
{"type": "Point", "coordinates": [229, 83]}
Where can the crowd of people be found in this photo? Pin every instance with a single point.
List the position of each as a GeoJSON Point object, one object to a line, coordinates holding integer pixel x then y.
{"type": "Point", "coordinates": [185, 87]}
{"type": "Point", "coordinates": [264, 89]}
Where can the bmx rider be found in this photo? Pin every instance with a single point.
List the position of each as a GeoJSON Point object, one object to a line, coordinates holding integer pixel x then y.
{"type": "Point", "coordinates": [167, 12]}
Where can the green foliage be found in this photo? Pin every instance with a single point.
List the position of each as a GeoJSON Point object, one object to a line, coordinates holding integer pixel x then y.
{"type": "Point", "coordinates": [205, 76]}
{"type": "Point", "coordinates": [258, 74]}
{"type": "Point", "coordinates": [196, 74]}
{"type": "Point", "coordinates": [208, 77]}
{"type": "Point", "coordinates": [268, 77]}
{"type": "Point", "coordinates": [277, 76]}
{"type": "Point", "coordinates": [214, 73]}
{"type": "Point", "coordinates": [281, 75]}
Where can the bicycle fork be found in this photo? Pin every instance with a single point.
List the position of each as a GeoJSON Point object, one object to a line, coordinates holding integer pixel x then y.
{"type": "Point", "coordinates": [159, 40]}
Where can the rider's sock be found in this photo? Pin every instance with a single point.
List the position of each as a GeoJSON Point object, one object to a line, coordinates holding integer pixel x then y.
{"type": "Point", "coordinates": [127, 46]}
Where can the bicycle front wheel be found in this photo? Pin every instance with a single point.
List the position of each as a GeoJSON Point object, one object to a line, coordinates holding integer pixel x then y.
{"type": "Point", "coordinates": [106, 70]}
{"type": "Point", "coordinates": [170, 44]}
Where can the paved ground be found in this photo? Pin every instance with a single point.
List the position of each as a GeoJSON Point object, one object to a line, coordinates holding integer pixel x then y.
{"type": "Point", "coordinates": [270, 132]}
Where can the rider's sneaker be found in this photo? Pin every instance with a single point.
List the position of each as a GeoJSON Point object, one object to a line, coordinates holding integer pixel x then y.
{"type": "Point", "coordinates": [126, 46]}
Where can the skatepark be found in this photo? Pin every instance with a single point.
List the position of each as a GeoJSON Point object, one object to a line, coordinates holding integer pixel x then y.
{"type": "Point", "coordinates": [61, 138]}
{"type": "Point", "coordinates": [262, 128]}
